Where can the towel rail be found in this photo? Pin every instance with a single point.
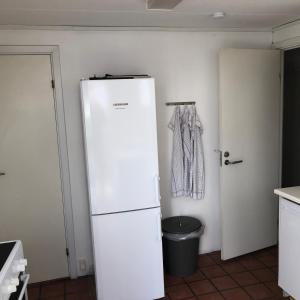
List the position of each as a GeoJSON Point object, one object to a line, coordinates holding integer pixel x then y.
{"type": "Point", "coordinates": [181, 103]}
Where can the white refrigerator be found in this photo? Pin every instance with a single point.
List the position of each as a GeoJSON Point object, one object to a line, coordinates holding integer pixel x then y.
{"type": "Point", "coordinates": [119, 118]}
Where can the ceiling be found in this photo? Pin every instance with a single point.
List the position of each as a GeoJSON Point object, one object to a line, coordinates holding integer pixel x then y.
{"type": "Point", "coordinates": [240, 14]}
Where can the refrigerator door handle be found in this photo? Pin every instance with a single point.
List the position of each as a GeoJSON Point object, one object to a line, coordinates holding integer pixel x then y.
{"type": "Point", "coordinates": [159, 226]}
{"type": "Point", "coordinates": [157, 189]}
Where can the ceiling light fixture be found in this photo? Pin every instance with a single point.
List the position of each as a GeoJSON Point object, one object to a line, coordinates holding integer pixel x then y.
{"type": "Point", "coordinates": [162, 4]}
{"type": "Point", "coordinates": [218, 15]}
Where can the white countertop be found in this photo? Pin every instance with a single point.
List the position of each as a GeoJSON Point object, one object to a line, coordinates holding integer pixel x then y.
{"type": "Point", "coordinates": [290, 193]}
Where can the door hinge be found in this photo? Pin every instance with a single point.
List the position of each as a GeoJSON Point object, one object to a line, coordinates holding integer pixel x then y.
{"type": "Point", "coordinates": [67, 251]}
{"type": "Point", "coordinates": [52, 83]}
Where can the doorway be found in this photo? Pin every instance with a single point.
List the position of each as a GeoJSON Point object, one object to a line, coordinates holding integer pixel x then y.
{"type": "Point", "coordinates": [291, 120]}
{"type": "Point", "coordinates": [31, 204]}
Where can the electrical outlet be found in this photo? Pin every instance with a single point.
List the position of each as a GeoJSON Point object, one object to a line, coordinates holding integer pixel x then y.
{"type": "Point", "coordinates": [82, 265]}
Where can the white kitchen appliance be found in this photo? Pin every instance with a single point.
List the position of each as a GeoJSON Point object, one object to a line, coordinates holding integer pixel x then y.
{"type": "Point", "coordinates": [13, 279]}
{"type": "Point", "coordinates": [289, 243]}
{"type": "Point", "coordinates": [119, 118]}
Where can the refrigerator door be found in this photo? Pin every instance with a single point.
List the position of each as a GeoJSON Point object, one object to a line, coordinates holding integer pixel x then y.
{"type": "Point", "coordinates": [128, 255]}
{"type": "Point", "coordinates": [119, 119]}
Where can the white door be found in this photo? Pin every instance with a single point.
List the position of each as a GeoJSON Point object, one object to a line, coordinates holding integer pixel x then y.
{"type": "Point", "coordinates": [128, 255]}
{"type": "Point", "coordinates": [121, 144]}
{"type": "Point", "coordinates": [249, 133]}
{"type": "Point", "coordinates": [31, 206]}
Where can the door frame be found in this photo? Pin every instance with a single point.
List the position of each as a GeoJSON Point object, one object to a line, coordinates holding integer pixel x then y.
{"type": "Point", "coordinates": [53, 52]}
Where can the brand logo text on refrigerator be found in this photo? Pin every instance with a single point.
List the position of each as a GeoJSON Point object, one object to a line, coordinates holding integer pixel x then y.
{"type": "Point", "coordinates": [120, 104]}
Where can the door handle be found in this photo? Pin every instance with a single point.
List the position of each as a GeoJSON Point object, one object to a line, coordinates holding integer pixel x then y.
{"type": "Point", "coordinates": [159, 236]}
{"type": "Point", "coordinates": [2, 173]}
{"type": "Point", "coordinates": [157, 189]}
{"type": "Point", "coordinates": [227, 162]}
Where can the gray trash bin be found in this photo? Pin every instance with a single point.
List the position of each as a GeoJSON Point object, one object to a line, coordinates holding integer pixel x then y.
{"type": "Point", "coordinates": [181, 235]}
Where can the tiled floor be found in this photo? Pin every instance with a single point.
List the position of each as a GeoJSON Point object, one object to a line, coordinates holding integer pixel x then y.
{"type": "Point", "coordinates": [82, 288]}
{"type": "Point", "coordinates": [250, 277]}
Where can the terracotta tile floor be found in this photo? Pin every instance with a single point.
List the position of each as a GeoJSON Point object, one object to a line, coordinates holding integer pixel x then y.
{"type": "Point", "coordinates": [252, 276]}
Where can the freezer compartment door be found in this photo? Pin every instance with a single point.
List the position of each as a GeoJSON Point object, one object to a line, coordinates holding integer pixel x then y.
{"type": "Point", "coordinates": [121, 144]}
{"type": "Point", "coordinates": [128, 255]}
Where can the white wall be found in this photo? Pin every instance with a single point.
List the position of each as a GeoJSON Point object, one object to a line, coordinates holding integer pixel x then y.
{"type": "Point", "coordinates": [185, 66]}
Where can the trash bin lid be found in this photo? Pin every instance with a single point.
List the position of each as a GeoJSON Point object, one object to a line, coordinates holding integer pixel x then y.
{"type": "Point", "coordinates": [180, 224]}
